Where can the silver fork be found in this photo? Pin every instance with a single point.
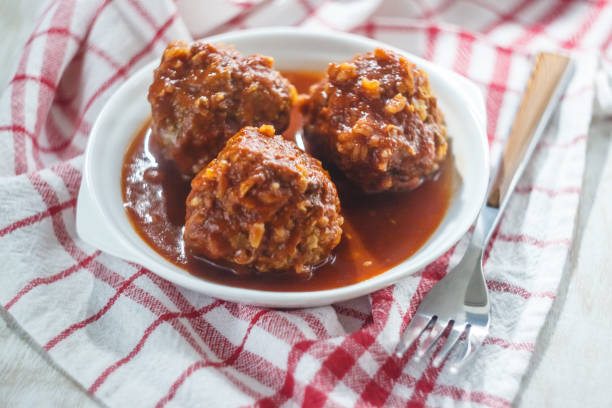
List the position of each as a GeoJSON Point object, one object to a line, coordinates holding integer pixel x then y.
{"type": "Point", "coordinates": [460, 302]}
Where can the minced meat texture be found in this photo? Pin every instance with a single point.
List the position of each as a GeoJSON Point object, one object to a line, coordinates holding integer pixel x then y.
{"type": "Point", "coordinates": [202, 94]}
{"type": "Point", "coordinates": [265, 204]}
{"type": "Point", "coordinates": [376, 119]}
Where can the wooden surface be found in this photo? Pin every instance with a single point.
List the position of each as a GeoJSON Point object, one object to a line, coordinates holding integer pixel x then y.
{"type": "Point", "coordinates": [571, 364]}
{"type": "Point", "coordinates": [547, 73]}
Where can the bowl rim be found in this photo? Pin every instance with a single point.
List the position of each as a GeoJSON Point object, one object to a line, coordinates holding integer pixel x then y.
{"type": "Point", "coordinates": [308, 298]}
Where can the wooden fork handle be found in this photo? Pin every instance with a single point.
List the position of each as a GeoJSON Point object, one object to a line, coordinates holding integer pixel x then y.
{"type": "Point", "coordinates": [545, 85]}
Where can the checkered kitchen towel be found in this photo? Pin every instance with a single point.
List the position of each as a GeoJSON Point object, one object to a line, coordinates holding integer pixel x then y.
{"type": "Point", "coordinates": [133, 339]}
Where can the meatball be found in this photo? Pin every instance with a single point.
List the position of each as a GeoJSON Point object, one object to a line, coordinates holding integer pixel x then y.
{"type": "Point", "coordinates": [265, 204]}
{"type": "Point", "coordinates": [376, 119]}
{"type": "Point", "coordinates": [202, 94]}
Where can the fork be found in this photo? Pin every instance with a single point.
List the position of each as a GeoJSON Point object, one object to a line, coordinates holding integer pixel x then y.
{"type": "Point", "coordinates": [459, 303]}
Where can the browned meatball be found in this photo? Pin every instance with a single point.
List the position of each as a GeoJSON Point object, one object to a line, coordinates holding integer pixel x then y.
{"type": "Point", "coordinates": [375, 117]}
{"type": "Point", "coordinates": [265, 204]}
{"type": "Point", "coordinates": [202, 94]}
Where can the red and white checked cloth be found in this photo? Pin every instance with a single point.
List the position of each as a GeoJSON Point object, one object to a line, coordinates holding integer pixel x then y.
{"type": "Point", "coordinates": [133, 339]}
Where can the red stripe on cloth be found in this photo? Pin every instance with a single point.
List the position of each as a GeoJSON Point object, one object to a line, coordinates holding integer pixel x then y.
{"type": "Point", "coordinates": [57, 137]}
{"type": "Point", "coordinates": [436, 11]}
{"type": "Point", "coordinates": [569, 143]}
{"type": "Point", "coordinates": [40, 20]}
{"type": "Point", "coordinates": [423, 7]}
{"type": "Point", "coordinates": [369, 29]}
{"type": "Point", "coordinates": [607, 42]}
{"type": "Point", "coordinates": [512, 17]}
{"type": "Point", "coordinates": [18, 103]}
{"type": "Point", "coordinates": [335, 366]}
{"type": "Point", "coordinates": [98, 52]}
{"type": "Point", "coordinates": [464, 53]}
{"type": "Point", "coordinates": [42, 15]}
{"type": "Point", "coordinates": [53, 56]}
{"type": "Point", "coordinates": [426, 384]}
{"type": "Point", "coordinates": [456, 394]}
{"type": "Point", "coordinates": [382, 301]}
{"type": "Point", "coordinates": [71, 176]}
{"type": "Point", "coordinates": [498, 85]}
{"type": "Point", "coordinates": [20, 130]}
{"type": "Point", "coordinates": [149, 330]}
{"type": "Point", "coordinates": [350, 312]}
{"type": "Point", "coordinates": [313, 322]}
{"type": "Point", "coordinates": [432, 38]}
{"type": "Point", "coordinates": [539, 26]}
{"type": "Point", "coordinates": [313, 12]}
{"type": "Point", "coordinates": [503, 88]}
{"type": "Point", "coordinates": [172, 292]}
{"type": "Point", "coordinates": [43, 81]}
{"type": "Point", "coordinates": [451, 392]}
{"type": "Point", "coordinates": [502, 17]}
{"type": "Point", "coordinates": [509, 345]}
{"type": "Point", "coordinates": [578, 92]}
{"type": "Point", "coordinates": [527, 239]}
{"type": "Point", "coordinates": [204, 363]}
{"type": "Point", "coordinates": [548, 191]}
{"type": "Point", "coordinates": [309, 8]}
{"type": "Point", "coordinates": [496, 91]}
{"type": "Point", "coordinates": [236, 22]}
{"type": "Point", "coordinates": [62, 31]}
{"type": "Point", "coordinates": [142, 11]}
{"type": "Point", "coordinates": [419, 26]}
{"type": "Point", "coordinates": [282, 327]}
{"type": "Point", "coordinates": [288, 387]}
{"type": "Point", "coordinates": [505, 287]}
{"type": "Point", "coordinates": [244, 4]}
{"type": "Point", "coordinates": [71, 114]}
{"type": "Point", "coordinates": [50, 279]}
{"type": "Point", "coordinates": [375, 25]}
{"type": "Point", "coordinates": [97, 15]}
{"type": "Point", "coordinates": [589, 21]}
{"type": "Point", "coordinates": [32, 219]}
{"type": "Point", "coordinates": [47, 149]}
{"type": "Point", "coordinates": [429, 277]}
{"type": "Point", "coordinates": [377, 391]}
{"type": "Point", "coordinates": [124, 70]}
{"type": "Point", "coordinates": [67, 332]}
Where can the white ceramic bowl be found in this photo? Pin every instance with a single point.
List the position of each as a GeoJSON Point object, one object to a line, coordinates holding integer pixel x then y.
{"type": "Point", "coordinates": [103, 223]}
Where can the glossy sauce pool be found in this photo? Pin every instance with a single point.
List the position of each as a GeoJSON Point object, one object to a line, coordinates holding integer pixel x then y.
{"type": "Point", "coordinates": [380, 231]}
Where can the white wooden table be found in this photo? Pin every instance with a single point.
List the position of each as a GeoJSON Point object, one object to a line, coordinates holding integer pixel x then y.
{"type": "Point", "coordinates": [573, 355]}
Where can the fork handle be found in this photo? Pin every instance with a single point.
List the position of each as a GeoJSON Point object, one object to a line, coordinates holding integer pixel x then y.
{"type": "Point", "coordinates": [550, 76]}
